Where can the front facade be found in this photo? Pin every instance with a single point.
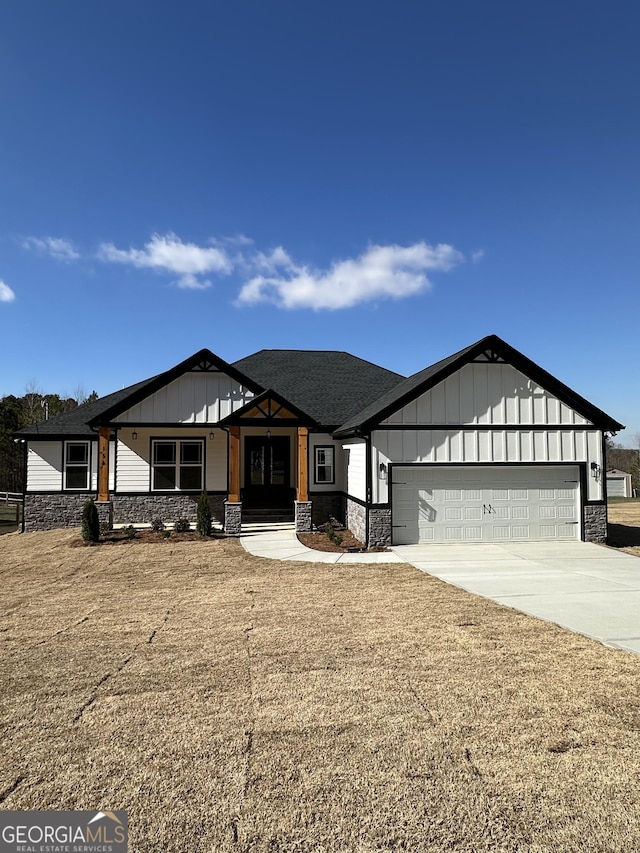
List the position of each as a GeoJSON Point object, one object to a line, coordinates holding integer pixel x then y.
{"type": "Point", "coordinates": [483, 446]}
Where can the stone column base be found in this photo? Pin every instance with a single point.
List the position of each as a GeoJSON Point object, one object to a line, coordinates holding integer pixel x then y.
{"type": "Point", "coordinates": [379, 528]}
{"type": "Point", "coordinates": [303, 516]}
{"type": "Point", "coordinates": [232, 518]}
{"type": "Point", "coordinates": [105, 514]}
{"type": "Point", "coordinates": [595, 523]}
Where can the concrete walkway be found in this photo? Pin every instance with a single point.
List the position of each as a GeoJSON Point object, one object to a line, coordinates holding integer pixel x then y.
{"type": "Point", "coordinates": [583, 587]}
{"type": "Point", "coordinates": [279, 542]}
{"type": "Point", "coordinates": [586, 588]}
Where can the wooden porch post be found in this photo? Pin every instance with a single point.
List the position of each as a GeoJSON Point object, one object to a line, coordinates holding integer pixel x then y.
{"type": "Point", "coordinates": [303, 468]}
{"type": "Point", "coordinates": [103, 463]}
{"type": "Point", "coordinates": [234, 464]}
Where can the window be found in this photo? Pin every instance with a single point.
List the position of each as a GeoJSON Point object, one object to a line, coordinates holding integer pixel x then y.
{"type": "Point", "coordinates": [324, 468]}
{"type": "Point", "coordinates": [76, 465]}
{"type": "Point", "coordinates": [177, 466]}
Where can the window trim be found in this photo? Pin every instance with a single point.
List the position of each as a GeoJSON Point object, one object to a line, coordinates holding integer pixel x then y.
{"type": "Point", "coordinates": [177, 464]}
{"type": "Point", "coordinates": [76, 465]}
{"type": "Point", "coordinates": [317, 464]}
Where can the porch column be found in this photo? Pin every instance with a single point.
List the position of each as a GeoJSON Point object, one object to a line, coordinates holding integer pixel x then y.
{"type": "Point", "coordinates": [303, 507]}
{"type": "Point", "coordinates": [303, 469]}
{"type": "Point", "coordinates": [234, 464]}
{"type": "Point", "coordinates": [103, 464]}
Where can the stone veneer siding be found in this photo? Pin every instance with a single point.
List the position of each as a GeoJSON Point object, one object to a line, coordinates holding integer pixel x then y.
{"type": "Point", "coordinates": [303, 516]}
{"type": "Point", "coordinates": [326, 507]}
{"type": "Point", "coordinates": [595, 523]}
{"type": "Point", "coordinates": [142, 509]}
{"type": "Point", "coordinates": [232, 518]}
{"type": "Point", "coordinates": [48, 512]}
{"type": "Point", "coordinates": [379, 527]}
{"type": "Point", "coordinates": [357, 520]}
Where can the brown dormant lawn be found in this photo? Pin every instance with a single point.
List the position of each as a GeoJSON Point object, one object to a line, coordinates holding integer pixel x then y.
{"type": "Point", "coordinates": [232, 703]}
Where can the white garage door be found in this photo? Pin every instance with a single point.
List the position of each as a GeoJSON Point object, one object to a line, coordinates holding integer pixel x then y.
{"type": "Point", "coordinates": [490, 504]}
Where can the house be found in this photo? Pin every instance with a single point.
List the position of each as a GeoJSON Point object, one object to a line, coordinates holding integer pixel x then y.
{"type": "Point", "coordinates": [482, 446]}
{"type": "Point", "coordinates": [618, 484]}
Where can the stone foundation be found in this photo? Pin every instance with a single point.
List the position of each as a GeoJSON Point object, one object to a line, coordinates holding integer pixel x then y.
{"type": "Point", "coordinates": [232, 518]}
{"type": "Point", "coordinates": [326, 507]}
{"type": "Point", "coordinates": [303, 516]}
{"type": "Point", "coordinates": [379, 527]}
{"type": "Point", "coordinates": [48, 512]}
{"type": "Point", "coordinates": [105, 514]}
{"type": "Point", "coordinates": [357, 520]}
{"type": "Point", "coordinates": [595, 523]}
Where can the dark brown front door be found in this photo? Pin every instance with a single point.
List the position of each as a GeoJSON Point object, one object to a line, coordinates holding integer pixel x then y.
{"type": "Point", "coordinates": [267, 471]}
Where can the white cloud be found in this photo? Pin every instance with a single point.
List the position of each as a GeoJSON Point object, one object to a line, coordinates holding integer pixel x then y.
{"type": "Point", "coordinates": [381, 272]}
{"type": "Point", "coordinates": [57, 247]}
{"type": "Point", "coordinates": [6, 294]}
{"type": "Point", "coordinates": [167, 253]}
{"type": "Point", "coordinates": [477, 256]}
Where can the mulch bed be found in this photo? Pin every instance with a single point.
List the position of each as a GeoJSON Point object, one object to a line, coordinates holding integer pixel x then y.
{"type": "Point", "coordinates": [319, 541]}
{"type": "Point", "coordinates": [145, 537]}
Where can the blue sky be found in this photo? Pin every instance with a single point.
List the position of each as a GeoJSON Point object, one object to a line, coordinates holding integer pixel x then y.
{"type": "Point", "coordinates": [396, 179]}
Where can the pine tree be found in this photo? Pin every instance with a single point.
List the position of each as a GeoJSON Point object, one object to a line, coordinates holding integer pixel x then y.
{"type": "Point", "coordinates": [90, 522]}
{"type": "Point", "coordinates": [203, 523]}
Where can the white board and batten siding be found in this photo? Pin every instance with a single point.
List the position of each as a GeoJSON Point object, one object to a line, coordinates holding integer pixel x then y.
{"type": "Point", "coordinates": [527, 425]}
{"type": "Point", "coordinates": [202, 397]}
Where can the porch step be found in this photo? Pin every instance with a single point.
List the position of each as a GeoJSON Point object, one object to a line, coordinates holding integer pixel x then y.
{"type": "Point", "coordinates": [267, 516]}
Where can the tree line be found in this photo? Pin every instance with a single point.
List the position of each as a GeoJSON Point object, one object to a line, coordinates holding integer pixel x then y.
{"type": "Point", "coordinates": [19, 412]}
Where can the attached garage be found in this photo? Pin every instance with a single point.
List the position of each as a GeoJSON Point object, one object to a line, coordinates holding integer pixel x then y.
{"type": "Point", "coordinates": [440, 504]}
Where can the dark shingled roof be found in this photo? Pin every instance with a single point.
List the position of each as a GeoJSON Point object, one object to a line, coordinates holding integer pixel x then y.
{"type": "Point", "coordinates": [329, 386]}
{"type": "Point", "coordinates": [336, 389]}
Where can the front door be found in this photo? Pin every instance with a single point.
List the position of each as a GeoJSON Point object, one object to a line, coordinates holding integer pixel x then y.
{"type": "Point", "coordinates": [267, 474]}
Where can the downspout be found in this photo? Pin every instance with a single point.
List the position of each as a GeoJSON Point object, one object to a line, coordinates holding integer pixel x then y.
{"type": "Point", "coordinates": [25, 451]}
{"type": "Point", "coordinates": [369, 489]}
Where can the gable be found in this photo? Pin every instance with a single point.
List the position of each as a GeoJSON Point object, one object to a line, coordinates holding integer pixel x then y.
{"type": "Point", "coordinates": [489, 392]}
{"type": "Point", "coordinates": [199, 396]}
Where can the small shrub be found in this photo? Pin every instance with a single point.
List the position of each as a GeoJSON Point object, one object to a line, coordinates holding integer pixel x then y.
{"type": "Point", "coordinates": [104, 528]}
{"type": "Point", "coordinates": [166, 534]}
{"type": "Point", "coordinates": [130, 531]}
{"type": "Point", "coordinates": [157, 525]}
{"type": "Point", "coordinates": [90, 522]}
{"type": "Point", "coordinates": [203, 523]}
{"type": "Point", "coordinates": [332, 535]}
{"type": "Point", "coordinates": [182, 525]}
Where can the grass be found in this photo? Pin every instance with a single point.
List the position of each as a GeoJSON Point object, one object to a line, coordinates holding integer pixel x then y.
{"type": "Point", "coordinates": [7, 518]}
{"type": "Point", "coordinates": [233, 703]}
{"type": "Point", "coordinates": [624, 524]}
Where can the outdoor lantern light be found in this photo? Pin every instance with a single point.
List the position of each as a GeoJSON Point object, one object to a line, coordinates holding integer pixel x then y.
{"type": "Point", "coordinates": [383, 470]}
{"type": "Point", "coordinates": [268, 433]}
{"type": "Point", "coordinates": [595, 470]}
{"type": "Point", "coordinates": [211, 435]}
{"type": "Point", "coordinates": [134, 435]}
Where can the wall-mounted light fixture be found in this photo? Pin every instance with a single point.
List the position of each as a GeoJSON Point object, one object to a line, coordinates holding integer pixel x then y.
{"type": "Point", "coordinates": [595, 470]}
{"type": "Point", "coordinates": [383, 470]}
{"type": "Point", "coordinates": [268, 433]}
{"type": "Point", "coordinates": [134, 435]}
{"type": "Point", "coordinates": [211, 435]}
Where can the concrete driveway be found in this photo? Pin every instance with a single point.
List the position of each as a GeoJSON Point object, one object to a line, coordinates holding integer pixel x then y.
{"type": "Point", "coordinates": [583, 587]}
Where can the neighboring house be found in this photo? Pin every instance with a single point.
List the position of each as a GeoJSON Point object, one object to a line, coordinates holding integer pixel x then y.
{"type": "Point", "coordinates": [483, 446]}
{"type": "Point", "coordinates": [618, 484]}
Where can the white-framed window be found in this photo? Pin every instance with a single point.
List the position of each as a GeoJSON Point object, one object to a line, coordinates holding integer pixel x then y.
{"type": "Point", "coordinates": [325, 471]}
{"type": "Point", "coordinates": [177, 465]}
{"type": "Point", "coordinates": [76, 465]}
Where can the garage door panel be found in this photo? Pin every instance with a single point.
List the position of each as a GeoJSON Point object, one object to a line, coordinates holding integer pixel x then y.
{"type": "Point", "coordinates": [439, 504]}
